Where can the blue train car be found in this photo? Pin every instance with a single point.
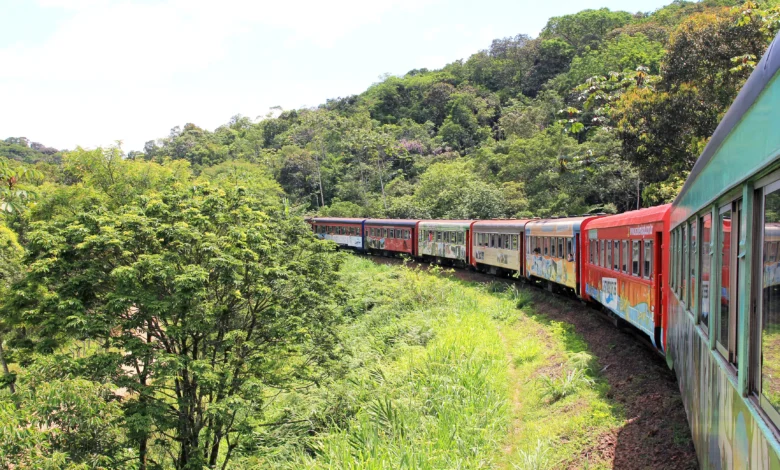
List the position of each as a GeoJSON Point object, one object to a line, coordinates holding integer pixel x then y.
{"type": "Point", "coordinates": [724, 302]}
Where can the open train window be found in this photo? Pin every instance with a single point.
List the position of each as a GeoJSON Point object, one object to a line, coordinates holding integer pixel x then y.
{"type": "Point", "coordinates": [635, 257]}
{"type": "Point", "coordinates": [546, 241]}
{"type": "Point", "coordinates": [602, 254]}
{"type": "Point", "coordinates": [616, 255]}
{"type": "Point", "coordinates": [767, 380]}
{"type": "Point", "coordinates": [684, 264]}
{"type": "Point", "coordinates": [726, 338]}
{"type": "Point", "coordinates": [693, 253]}
{"type": "Point", "coordinates": [648, 259]}
{"type": "Point", "coordinates": [705, 271]}
{"type": "Point", "coordinates": [625, 256]}
{"type": "Point", "coordinates": [608, 247]}
{"type": "Point", "coordinates": [553, 243]}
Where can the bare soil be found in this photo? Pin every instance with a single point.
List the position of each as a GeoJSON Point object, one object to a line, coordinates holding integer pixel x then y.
{"type": "Point", "coordinates": [655, 434]}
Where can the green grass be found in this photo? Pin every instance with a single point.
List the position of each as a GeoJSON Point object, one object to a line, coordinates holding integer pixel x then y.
{"type": "Point", "coordinates": [440, 373]}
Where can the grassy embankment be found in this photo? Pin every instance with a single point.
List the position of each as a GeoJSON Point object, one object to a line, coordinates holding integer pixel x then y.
{"type": "Point", "coordinates": [443, 373]}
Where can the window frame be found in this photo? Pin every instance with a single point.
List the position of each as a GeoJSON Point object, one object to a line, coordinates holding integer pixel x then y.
{"type": "Point", "coordinates": [636, 258]}
{"type": "Point", "coordinates": [616, 255]}
{"type": "Point", "coordinates": [647, 243]}
{"type": "Point", "coordinates": [729, 350]}
{"type": "Point", "coordinates": [702, 256]}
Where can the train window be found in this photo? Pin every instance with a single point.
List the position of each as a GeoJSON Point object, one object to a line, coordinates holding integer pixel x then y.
{"type": "Point", "coordinates": [726, 316]}
{"type": "Point", "coordinates": [515, 242]}
{"type": "Point", "coordinates": [608, 251]}
{"type": "Point", "coordinates": [546, 241]}
{"type": "Point", "coordinates": [635, 258]}
{"type": "Point", "coordinates": [597, 249]}
{"type": "Point", "coordinates": [648, 271]}
{"type": "Point", "coordinates": [693, 252]}
{"type": "Point", "coordinates": [705, 271]}
{"type": "Point", "coordinates": [684, 266]}
{"type": "Point", "coordinates": [625, 257]}
{"type": "Point", "coordinates": [769, 381]}
{"type": "Point", "coordinates": [592, 252]}
{"type": "Point", "coordinates": [561, 242]}
{"type": "Point", "coordinates": [553, 244]}
{"type": "Point", "coordinates": [569, 249]}
{"type": "Point", "coordinates": [438, 237]}
{"type": "Point", "coordinates": [602, 254]}
{"type": "Point", "coordinates": [391, 233]}
{"type": "Point", "coordinates": [616, 255]}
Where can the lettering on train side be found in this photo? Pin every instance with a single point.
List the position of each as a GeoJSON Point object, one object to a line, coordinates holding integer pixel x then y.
{"type": "Point", "coordinates": [640, 231]}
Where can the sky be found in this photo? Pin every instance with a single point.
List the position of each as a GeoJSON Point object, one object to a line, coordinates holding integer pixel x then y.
{"type": "Point", "coordinates": [91, 72]}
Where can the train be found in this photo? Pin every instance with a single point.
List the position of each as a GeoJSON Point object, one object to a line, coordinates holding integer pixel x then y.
{"type": "Point", "coordinates": [699, 278]}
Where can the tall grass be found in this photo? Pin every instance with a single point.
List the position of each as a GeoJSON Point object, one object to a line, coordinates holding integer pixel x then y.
{"type": "Point", "coordinates": [437, 373]}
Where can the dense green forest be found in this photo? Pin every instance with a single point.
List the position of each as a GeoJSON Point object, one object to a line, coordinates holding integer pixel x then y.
{"type": "Point", "coordinates": [604, 111]}
{"type": "Point", "coordinates": [157, 306]}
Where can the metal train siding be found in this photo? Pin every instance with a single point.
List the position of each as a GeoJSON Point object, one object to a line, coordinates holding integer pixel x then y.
{"type": "Point", "coordinates": [724, 304]}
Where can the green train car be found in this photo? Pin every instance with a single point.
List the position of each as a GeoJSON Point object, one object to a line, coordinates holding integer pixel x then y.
{"type": "Point", "coordinates": [724, 283]}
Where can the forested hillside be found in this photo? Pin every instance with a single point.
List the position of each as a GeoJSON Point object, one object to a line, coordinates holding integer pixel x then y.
{"type": "Point", "coordinates": [603, 111]}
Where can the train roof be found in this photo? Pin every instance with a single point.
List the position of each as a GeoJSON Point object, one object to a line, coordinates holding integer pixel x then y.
{"type": "Point", "coordinates": [565, 227]}
{"type": "Point", "coordinates": [398, 222]}
{"type": "Point", "coordinates": [337, 220]}
{"type": "Point", "coordinates": [505, 224]}
{"type": "Point", "coordinates": [448, 223]}
{"type": "Point", "coordinates": [637, 217]}
{"type": "Point", "coordinates": [744, 142]}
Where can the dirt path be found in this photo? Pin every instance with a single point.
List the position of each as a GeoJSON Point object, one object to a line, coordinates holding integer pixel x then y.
{"type": "Point", "coordinates": [655, 434]}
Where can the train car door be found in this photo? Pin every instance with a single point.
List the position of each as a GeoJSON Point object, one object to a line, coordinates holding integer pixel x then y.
{"type": "Point", "coordinates": [577, 263]}
{"type": "Point", "coordinates": [658, 275]}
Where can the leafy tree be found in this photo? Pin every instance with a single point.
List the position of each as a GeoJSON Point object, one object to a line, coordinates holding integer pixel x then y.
{"type": "Point", "coordinates": [585, 29]}
{"type": "Point", "coordinates": [212, 301]}
{"type": "Point", "coordinates": [453, 191]}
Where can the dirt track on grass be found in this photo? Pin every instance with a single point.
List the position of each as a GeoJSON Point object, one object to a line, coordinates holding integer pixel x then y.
{"type": "Point", "coordinates": [655, 434]}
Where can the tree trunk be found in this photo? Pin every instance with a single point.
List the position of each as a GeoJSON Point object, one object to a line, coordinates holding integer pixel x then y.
{"type": "Point", "coordinates": [11, 385]}
{"type": "Point", "coordinates": [142, 453]}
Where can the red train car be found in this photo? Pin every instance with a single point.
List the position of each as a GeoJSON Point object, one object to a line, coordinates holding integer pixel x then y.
{"type": "Point", "coordinates": [390, 236]}
{"type": "Point", "coordinates": [626, 259]}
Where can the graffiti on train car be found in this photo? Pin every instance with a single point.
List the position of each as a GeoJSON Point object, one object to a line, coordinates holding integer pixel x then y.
{"type": "Point", "coordinates": [442, 249]}
{"type": "Point", "coordinates": [558, 270]}
{"type": "Point", "coordinates": [630, 301]}
{"type": "Point", "coordinates": [725, 432]}
{"type": "Point", "coordinates": [347, 240]}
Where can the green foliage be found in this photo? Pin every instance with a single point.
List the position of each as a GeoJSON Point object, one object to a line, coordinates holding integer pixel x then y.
{"type": "Point", "coordinates": [216, 300]}
{"type": "Point", "coordinates": [557, 388]}
{"type": "Point", "coordinates": [585, 29]}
